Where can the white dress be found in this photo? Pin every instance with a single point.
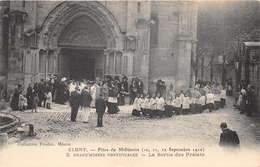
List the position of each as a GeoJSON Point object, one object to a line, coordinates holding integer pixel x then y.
{"type": "Point", "coordinates": [186, 103]}
{"type": "Point", "coordinates": [136, 105]}
{"type": "Point", "coordinates": [152, 104]}
{"type": "Point", "coordinates": [210, 98]}
{"type": "Point", "coordinates": [161, 104]}
{"type": "Point", "coordinates": [178, 102]}
{"type": "Point", "coordinates": [202, 100]}
{"type": "Point", "coordinates": [94, 95]}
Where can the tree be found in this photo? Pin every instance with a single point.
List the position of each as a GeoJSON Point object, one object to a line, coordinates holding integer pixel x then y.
{"type": "Point", "coordinates": [225, 24]}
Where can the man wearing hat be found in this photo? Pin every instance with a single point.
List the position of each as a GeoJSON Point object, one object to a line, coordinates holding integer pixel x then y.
{"type": "Point", "coordinates": [159, 87]}
{"type": "Point", "coordinates": [123, 89]}
{"type": "Point", "coordinates": [100, 109]}
{"type": "Point", "coordinates": [75, 101]}
{"type": "Point", "coordinates": [86, 99]}
{"type": "Point", "coordinates": [41, 92]}
{"type": "Point", "coordinates": [140, 86]}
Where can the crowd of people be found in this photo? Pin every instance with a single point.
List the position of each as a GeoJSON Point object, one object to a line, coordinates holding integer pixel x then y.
{"type": "Point", "coordinates": [163, 102]}
{"type": "Point", "coordinates": [246, 99]}
{"type": "Point", "coordinates": [42, 94]}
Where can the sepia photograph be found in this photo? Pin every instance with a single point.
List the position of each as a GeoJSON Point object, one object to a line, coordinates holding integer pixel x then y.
{"type": "Point", "coordinates": [126, 83]}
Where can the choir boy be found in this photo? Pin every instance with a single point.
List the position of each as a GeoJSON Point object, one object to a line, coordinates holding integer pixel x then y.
{"type": "Point", "coordinates": [210, 97]}
{"type": "Point", "coordinates": [146, 105]}
{"type": "Point", "coordinates": [177, 104]}
{"type": "Point", "coordinates": [136, 106]}
{"type": "Point", "coordinates": [186, 105]}
{"type": "Point", "coordinates": [153, 106]}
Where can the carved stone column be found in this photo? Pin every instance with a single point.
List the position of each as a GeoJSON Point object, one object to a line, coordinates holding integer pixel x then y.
{"type": "Point", "coordinates": [106, 64]}
{"type": "Point", "coordinates": [56, 60]}
{"type": "Point", "coordinates": [114, 69]}
{"type": "Point", "coordinates": [46, 63]}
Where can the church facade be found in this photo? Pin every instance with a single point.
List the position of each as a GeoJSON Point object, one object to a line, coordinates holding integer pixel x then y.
{"type": "Point", "coordinates": [87, 39]}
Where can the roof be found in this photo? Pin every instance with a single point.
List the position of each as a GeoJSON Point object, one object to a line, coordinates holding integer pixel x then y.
{"type": "Point", "coordinates": [252, 43]}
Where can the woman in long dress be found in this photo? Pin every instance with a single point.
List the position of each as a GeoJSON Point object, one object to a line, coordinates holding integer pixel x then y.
{"type": "Point", "coordinates": [112, 99]}
{"type": "Point", "coordinates": [62, 92]}
{"type": "Point", "coordinates": [29, 96]}
{"type": "Point", "coordinates": [104, 91]}
{"type": "Point", "coordinates": [133, 88]}
{"type": "Point", "coordinates": [123, 91]}
{"type": "Point", "coordinates": [15, 98]}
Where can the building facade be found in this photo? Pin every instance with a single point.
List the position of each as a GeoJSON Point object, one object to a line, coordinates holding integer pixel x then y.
{"type": "Point", "coordinates": [250, 67]}
{"type": "Point", "coordinates": [88, 39]}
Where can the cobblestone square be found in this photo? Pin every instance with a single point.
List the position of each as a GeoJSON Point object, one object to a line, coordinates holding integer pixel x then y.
{"type": "Point", "coordinates": [197, 130]}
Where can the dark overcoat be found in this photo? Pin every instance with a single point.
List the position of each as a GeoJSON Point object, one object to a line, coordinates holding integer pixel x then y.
{"type": "Point", "coordinates": [75, 99]}
{"type": "Point", "coordinates": [100, 105]}
{"type": "Point", "coordinates": [86, 98]}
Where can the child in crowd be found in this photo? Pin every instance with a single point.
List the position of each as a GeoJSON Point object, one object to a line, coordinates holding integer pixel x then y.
{"type": "Point", "coordinates": [22, 101]}
{"type": "Point", "coordinates": [160, 105]}
{"type": "Point", "coordinates": [169, 97]}
{"type": "Point", "coordinates": [197, 96]}
{"type": "Point", "coordinates": [216, 92]}
{"type": "Point", "coordinates": [186, 105]}
{"type": "Point", "coordinates": [210, 98]}
{"type": "Point", "coordinates": [177, 104]}
{"type": "Point", "coordinates": [202, 102]}
{"type": "Point", "coordinates": [141, 102]}
{"type": "Point", "coordinates": [136, 106]}
{"type": "Point", "coordinates": [192, 102]}
{"type": "Point", "coordinates": [242, 105]}
{"type": "Point", "coordinates": [182, 95]}
{"type": "Point", "coordinates": [217, 101]}
{"type": "Point", "coordinates": [153, 106]}
{"type": "Point", "coordinates": [146, 106]}
{"type": "Point", "coordinates": [223, 97]}
{"type": "Point", "coordinates": [48, 99]}
{"type": "Point", "coordinates": [35, 102]}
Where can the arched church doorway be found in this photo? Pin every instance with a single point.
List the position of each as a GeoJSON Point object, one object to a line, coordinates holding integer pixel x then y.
{"type": "Point", "coordinates": [81, 64]}
{"type": "Point", "coordinates": [82, 43]}
{"type": "Point", "coordinates": [82, 40]}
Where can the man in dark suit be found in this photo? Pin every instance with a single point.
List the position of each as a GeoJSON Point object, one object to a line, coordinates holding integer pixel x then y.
{"type": "Point", "coordinates": [228, 139]}
{"type": "Point", "coordinates": [100, 109]}
{"type": "Point", "coordinates": [41, 92]}
{"type": "Point", "coordinates": [74, 103]}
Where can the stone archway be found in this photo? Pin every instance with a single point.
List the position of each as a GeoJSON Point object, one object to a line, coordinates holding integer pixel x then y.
{"type": "Point", "coordinates": [66, 12]}
{"type": "Point", "coordinates": [59, 33]}
{"type": "Point", "coordinates": [84, 33]}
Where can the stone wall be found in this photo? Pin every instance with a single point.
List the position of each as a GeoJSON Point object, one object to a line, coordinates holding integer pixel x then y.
{"type": "Point", "coordinates": [163, 55]}
{"type": "Point", "coordinates": [39, 10]}
{"type": "Point", "coordinates": [170, 55]}
{"type": "Point", "coordinates": [167, 56]}
{"type": "Point", "coordinates": [4, 5]}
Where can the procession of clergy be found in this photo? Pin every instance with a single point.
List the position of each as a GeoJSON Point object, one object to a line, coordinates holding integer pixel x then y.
{"type": "Point", "coordinates": [164, 102]}
{"type": "Point", "coordinates": [168, 102]}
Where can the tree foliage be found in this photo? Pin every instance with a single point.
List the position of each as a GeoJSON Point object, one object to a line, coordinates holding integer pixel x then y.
{"type": "Point", "coordinates": [221, 23]}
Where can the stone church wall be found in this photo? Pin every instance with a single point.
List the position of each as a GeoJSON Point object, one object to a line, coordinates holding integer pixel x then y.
{"type": "Point", "coordinates": [164, 35]}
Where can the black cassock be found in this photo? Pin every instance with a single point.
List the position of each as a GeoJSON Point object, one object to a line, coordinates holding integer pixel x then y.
{"type": "Point", "coordinates": [61, 93]}
{"type": "Point", "coordinates": [15, 99]}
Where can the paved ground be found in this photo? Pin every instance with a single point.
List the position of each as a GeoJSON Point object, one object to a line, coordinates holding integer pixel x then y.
{"type": "Point", "coordinates": [201, 130]}
{"type": "Point", "coordinates": [55, 125]}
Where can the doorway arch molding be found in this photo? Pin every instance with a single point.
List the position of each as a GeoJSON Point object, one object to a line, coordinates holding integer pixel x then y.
{"type": "Point", "coordinates": [66, 12]}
